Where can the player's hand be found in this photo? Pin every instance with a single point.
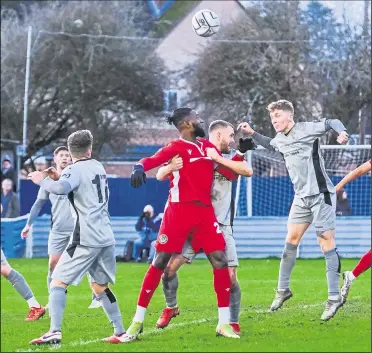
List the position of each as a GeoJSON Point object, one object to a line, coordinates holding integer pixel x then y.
{"type": "Point", "coordinates": [52, 173]}
{"type": "Point", "coordinates": [212, 153]}
{"type": "Point", "coordinates": [36, 177]}
{"type": "Point", "coordinates": [176, 163]}
{"type": "Point", "coordinates": [342, 138]}
{"type": "Point", "coordinates": [25, 231]}
{"type": "Point", "coordinates": [138, 176]}
{"type": "Point", "coordinates": [245, 128]}
{"type": "Point", "coordinates": [246, 144]}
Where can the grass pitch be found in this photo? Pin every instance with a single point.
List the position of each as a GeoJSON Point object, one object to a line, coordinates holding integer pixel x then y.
{"type": "Point", "coordinates": [294, 328]}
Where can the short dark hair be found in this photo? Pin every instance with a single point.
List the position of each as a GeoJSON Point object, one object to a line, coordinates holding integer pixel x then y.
{"type": "Point", "coordinates": [178, 115]}
{"type": "Point", "coordinates": [59, 149]}
{"type": "Point", "coordinates": [217, 124]}
{"type": "Point", "coordinates": [80, 142]}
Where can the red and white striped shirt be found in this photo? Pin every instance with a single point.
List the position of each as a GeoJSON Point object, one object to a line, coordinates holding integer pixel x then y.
{"type": "Point", "coordinates": [194, 181]}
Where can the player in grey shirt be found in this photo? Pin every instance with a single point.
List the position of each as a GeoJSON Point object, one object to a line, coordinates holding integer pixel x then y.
{"type": "Point", "coordinates": [314, 200]}
{"type": "Point", "coordinates": [92, 245]}
{"type": "Point", "coordinates": [221, 134]}
{"type": "Point", "coordinates": [62, 223]}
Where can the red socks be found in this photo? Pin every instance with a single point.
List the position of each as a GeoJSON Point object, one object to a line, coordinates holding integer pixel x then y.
{"type": "Point", "coordinates": [222, 286]}
{"type": "Point", "coordinates": [149, 285]}
{"type": "Point", "coordinates": [363, 265]}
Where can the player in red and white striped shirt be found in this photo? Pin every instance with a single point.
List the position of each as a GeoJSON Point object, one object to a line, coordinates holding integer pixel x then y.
{"type": "Point", "coordinates": [365, 262]}
{"type": "Point", "coordinates": [189, 210]}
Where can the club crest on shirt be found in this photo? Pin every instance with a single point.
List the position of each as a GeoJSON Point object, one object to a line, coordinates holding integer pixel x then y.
{"type": "Point", "coordinates": [163, 239]}
{"type": "Point", "coordinates": [190, 151]}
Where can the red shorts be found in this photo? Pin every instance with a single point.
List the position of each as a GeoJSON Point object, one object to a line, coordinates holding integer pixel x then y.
{"type": "Point", "coordinates": [182, 220]}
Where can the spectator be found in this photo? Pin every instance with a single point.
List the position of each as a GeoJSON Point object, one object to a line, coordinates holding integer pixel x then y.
{"type": "Point", "coordinates": [147, 227]}
{"type": "Point", "coordinates": [7, 171]}
{"type": "Point", "coordinates": [343, 204]}
{"type": "Point", "coordinates": [9, 200]}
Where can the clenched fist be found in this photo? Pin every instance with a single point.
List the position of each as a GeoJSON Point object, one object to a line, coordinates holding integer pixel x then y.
{"type": "Point", "coordinates": [52, 173]}
{"type": "Point", "coordinates": [246, 128]}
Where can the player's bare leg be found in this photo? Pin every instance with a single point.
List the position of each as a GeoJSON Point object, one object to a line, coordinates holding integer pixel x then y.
{"type": "Point", "coordinates": [327, 243]}
{"type": "Point", "coordinates": [170, 286]}
{"type": "Point", "coordinates": [149, 285]}
{"type": "Point", "coordinates": [349, 276]}
{"type": "Point", "coordinates": [222, 287]}
{"type": "Point", "coordinates": [53, 260]}
{"type": "Point", "coordinates": [22, 287]}
{"type": "Point", "coordinates": [95, 304]}
{"type": "Point", "coordinates": [235, 299]}
{"type": "Point", "coordinates": [288, 260]}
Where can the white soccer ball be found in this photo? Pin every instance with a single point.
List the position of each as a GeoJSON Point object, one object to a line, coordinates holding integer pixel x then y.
{"type": "Point", "coordinates": [205, 23]}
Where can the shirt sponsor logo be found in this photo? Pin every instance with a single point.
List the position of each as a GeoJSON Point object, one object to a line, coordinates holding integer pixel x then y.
{"type": "Point", "coordinates": [293, 153]}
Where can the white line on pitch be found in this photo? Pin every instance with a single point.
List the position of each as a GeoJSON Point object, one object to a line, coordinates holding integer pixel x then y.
{"type": "Point", "coordinates": [158, 331]}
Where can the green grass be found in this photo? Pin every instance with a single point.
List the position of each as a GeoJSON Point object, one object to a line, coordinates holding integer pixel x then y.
{"type": "Point", "coordinates": [295, 328]}
{"type": "Point", "coordinates": [173, 14]}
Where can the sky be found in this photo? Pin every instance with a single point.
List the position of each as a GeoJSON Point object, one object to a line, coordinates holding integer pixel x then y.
{"type": "Point", "coordinates": [353, 9]}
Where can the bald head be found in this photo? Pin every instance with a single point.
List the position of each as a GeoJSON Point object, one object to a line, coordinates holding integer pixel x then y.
{"type": "Point", "coordinates": [7, 185]}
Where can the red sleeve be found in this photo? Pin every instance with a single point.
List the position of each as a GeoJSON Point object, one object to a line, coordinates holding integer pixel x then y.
{"type": "Point", "coordinates": [162, 156]}
{"type": "Point", "coordinates": [228, 173]}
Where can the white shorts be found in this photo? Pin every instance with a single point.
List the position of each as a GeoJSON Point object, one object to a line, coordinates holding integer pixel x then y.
{"type": "Point", "coordinates": [232, 255]}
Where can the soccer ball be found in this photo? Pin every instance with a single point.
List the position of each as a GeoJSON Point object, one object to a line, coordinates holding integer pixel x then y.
{"type": "Point", "coordinates": [205, 23]}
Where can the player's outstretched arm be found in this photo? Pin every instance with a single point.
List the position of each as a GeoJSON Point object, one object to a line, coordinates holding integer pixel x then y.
{"type": "Point", "coordinates": [68, 181]}
{"type": "Point", "coordinates": [259, 139]}
{"type": "Point", "coordinates": [338, 126]}
{"type": "Point", "coordinates": [238, 167]}
{"type": "Point", "coordinates": [319, 128]}
{"type": "Point", "coordinates": [138, 176]}
{"type": "Point", "coordinates": [354, 174]}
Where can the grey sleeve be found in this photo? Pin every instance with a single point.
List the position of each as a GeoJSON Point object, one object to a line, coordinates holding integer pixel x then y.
{"type": "Point", "coordinates": [335, 124]}
{"type": "Point", "coordinates": [319, 128]}
{"type": "Point", "coordinates": [71, 175]}
{"type": "Point", "coordinates": [35, 210]}
{"type": "Point", "coordinates": [262, 140]}
{"type": "Point", "coordinates": [43, 194]}
{"type": "Point", "coordinates": [60, 187]}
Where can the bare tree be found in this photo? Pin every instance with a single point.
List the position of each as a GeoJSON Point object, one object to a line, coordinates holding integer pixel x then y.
{"type": "Point", "coordinates": [77, 81]}
{"type": "Point", "coordinates": [318, 64]}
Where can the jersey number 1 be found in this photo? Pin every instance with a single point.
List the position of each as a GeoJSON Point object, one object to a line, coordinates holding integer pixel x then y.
{"type": "Point", "coordinates": [97, 181]}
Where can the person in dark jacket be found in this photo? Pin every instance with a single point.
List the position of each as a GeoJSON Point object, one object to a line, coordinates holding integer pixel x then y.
{"type": "Point", "coordinates": [9, 200]}
{"type": "Point", "coordinates": [147, 227]}
{"type": "Point", "coordinates": [343, 204]}
{"type": "Point", "coordinates": [7, 172]}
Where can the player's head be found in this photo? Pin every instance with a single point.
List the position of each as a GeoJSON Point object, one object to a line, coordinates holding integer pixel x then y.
{"type": "Point", "coordinates": [80, 144]}
{"type": "Point", "coordinates": [281, 114]}
{"type": "Point", "coordinates": [62, 157]}
{"type": "Point", "coordinates": [221, 134]}
{"type": "Point", "coordinates": [7, 185]}
{"type": "Point", "coordinates": [187, 119]}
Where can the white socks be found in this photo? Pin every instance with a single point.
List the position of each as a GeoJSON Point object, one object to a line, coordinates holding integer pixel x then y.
{"type": "Point", "coordinates": [140, 314]}
{"type": "Point", "coordinates": [33, 303]}
{"type": "Point", "coordinates": [223, 315]}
